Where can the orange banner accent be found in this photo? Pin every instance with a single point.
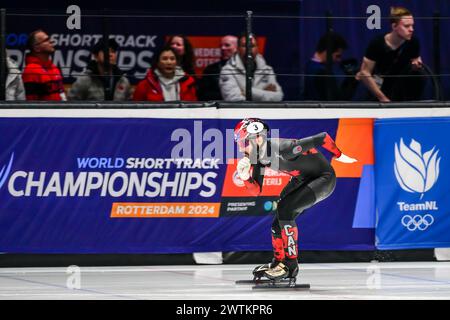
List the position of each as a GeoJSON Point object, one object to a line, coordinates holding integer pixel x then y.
{"type": "Point", "coordinates": [165, 210]}
{"type": "Point", "coordinates": [354, 138]}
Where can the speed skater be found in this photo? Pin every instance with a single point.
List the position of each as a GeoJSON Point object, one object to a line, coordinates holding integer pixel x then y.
{"type": "Point", "coordinates": [312, 180]}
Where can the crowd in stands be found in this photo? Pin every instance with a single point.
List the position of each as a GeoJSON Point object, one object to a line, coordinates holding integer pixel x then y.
{"type": "Point", "coordinates": [172, 77]}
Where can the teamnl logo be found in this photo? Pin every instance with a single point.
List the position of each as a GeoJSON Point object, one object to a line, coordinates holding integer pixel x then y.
{"type": "Point", "coordinates": [6, 169]}
{"type": "Point", "coordinates": [416, 172]}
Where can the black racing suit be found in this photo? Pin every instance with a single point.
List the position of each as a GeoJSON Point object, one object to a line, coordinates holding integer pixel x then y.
{"type": "Point", "coordinates": [312, 180]}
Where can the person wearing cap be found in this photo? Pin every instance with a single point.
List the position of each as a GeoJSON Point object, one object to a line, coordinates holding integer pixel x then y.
{"type": "Point", "coordinates": [92, 83]}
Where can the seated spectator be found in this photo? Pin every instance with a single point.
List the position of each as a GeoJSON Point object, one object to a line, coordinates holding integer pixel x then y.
{"type": "Point", "coordinates": [320, 84]}
{"type": "Point", "coordinates": [185, 52]}
{"type": "Point", "coordinates": [92, 83]}
{"type": "Point", "coordinates": [392, 67]}
{"type": "Point", "coordinates": [41, 78]}
{"type": "Point", "coordinates": [208, 85]}
{"type": "Point", "coordinates": [232, 77]}
{"type": "Point", "coordinates": [14, 89]}
{"type": "Point", "coordinates": [166, 81]}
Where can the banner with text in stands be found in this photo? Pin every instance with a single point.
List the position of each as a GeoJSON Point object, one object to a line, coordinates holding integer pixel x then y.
{"type": "Point", "coordinates": [144, 185]}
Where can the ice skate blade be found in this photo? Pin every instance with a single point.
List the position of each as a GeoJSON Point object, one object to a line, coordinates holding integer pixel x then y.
{"type": "Point", "coordinates": [281, 286]}
{"type": "Point", "coordinates": [259, 281]}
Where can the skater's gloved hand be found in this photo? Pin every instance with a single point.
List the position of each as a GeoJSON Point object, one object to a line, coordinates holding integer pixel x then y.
{"type": "Point", "coordinates": [345, 159]}
{"type": "Point", "coordinates": [243, 168]}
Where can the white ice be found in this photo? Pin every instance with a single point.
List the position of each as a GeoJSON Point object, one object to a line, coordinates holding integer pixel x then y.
{"type": "Point", "coordinates": [412, 280]}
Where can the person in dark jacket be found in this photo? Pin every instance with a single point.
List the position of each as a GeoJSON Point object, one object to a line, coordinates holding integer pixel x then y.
{"type": "Point", "coordinates": [165, 80]}
{"type": "Point", "coordinates": [325, 85]}
{"type": "Point", "coordinates": [92, 83]}
{"type": "Point", "coordinates": [208, 85]}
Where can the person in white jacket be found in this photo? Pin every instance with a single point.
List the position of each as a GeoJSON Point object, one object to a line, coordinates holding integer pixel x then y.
{"type": "Point", "coordinates": [232, 76]}
{"type": "Point", "coordinates": [14, 88]}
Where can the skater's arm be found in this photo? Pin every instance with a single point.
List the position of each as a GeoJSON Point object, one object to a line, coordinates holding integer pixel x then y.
{"type": "Point", "coordinates": [292, 148]}
{"type": "Point", "coordinates": [253, 182]}
{"type": "Point", "coordinates": [329, 144]}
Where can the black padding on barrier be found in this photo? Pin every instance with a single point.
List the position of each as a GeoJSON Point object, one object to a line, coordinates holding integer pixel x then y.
{"type": "Point", "coordinates": [245, 257]}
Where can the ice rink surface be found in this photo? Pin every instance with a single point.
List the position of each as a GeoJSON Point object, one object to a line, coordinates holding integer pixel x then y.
{"type": "Point", "coordinates": [411, 280]}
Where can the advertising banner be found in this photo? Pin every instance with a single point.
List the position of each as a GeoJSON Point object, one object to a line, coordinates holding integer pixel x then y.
{"type": "Point", "coordinates": [126, 185]}
{"type": "Point", "coordinates": [412, 183]}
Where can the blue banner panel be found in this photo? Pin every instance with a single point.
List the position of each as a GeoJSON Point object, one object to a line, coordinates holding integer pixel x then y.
{"type": "Point", "coordinates": [95, 185]}
{"type": "Point", "coordinates": [412, 183]}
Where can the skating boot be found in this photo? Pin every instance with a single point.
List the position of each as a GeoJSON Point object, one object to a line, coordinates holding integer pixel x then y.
{"type": "Point", "coordinates": [281, 277]}
{"type": "Point", "coordinates": [259, 271]}
{"type": "Point", "coordinates": [282, 271]}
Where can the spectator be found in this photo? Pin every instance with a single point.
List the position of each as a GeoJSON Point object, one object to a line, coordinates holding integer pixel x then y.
{"type": "Point", "coordinates": [320, 84]}
{"type": "Point", "coordinates": [42, 79]}
{"type": "Point", "coordinates": [185, 52]}
{"type": "Point", "coordinates": [14, 89]}
{"type": "Point", "coordinates": [232, 77]}
{"type": "Point", "coordinates": [92, 83]}
{"type": "Point", "coordinates": [208, 85]}
{"type": "Point", "coordinates": [393, 54]}
{"type": "Point", "coordinates": [166, 81]}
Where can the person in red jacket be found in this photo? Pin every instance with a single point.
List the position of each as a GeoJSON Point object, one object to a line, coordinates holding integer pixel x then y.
{"type": "Point", "coordinates": [41, 78]}
{"type": "Point", "coordinates": [165, 81]}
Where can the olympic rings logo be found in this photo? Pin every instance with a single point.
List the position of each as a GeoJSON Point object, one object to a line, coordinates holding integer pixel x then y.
{"type": "Point", "coordinates": [417, 222]}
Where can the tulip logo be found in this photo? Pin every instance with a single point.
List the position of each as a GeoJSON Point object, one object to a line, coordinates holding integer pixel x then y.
{"type": "Point", "coordinates": [4, 172]}
{"type": "Point", "coordinates": [416, 172]}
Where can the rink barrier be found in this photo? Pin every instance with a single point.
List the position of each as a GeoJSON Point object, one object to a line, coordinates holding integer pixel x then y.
{"type": "Point", "coordinates": [223, 105]}
{"type": "Point", "coordinates": [107, 126]}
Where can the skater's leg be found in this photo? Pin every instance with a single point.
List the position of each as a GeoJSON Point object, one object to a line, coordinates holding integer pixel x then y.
{"type": "Point", "coordinates": [277, 241]}
{"type": "Point", "coordinates": [289, 207]}
{"type": "Point", "coordinates": [278, 250]}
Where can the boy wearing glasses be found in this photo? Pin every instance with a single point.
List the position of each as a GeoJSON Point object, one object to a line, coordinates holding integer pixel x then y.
{"type": "Point", "coordinates": [42, 79]}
